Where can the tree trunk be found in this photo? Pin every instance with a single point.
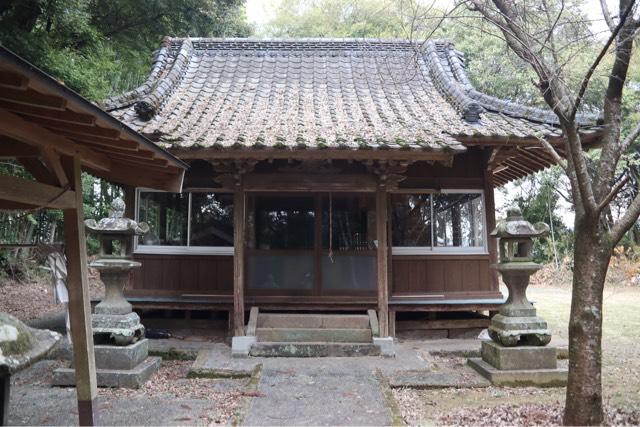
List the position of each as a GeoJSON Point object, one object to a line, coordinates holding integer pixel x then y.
{"type": "Point", "coordinates": [584, 388]}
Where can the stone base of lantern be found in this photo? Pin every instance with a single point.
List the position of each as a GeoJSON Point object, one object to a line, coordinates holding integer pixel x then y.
{"type": "Point", "coordinates": [519, 366]}
{"type": "Point", "coordinates": [116, 366]}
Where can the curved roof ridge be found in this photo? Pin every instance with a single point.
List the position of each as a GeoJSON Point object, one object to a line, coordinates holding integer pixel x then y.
{"type": "Point", "coordinates": [148, 98]}
{"type": "Point", "coordinates": [458, 88]}
{"type": "Point", "coordinates": [160, 59]}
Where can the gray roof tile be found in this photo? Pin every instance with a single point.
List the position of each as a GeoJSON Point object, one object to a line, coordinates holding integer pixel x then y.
{"type": "Point", "coordinates": [319, 93]}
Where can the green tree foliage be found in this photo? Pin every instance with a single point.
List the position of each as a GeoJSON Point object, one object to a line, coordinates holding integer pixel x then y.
{"type": "Point", "coordinates": [103, 47]}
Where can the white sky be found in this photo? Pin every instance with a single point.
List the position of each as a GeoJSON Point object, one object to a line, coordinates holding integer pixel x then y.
{"type": "Point", "coordinates": [260, 12]}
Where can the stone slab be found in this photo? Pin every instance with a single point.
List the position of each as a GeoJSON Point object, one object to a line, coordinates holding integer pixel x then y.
{"type": "Point", "coordinates": [313, 349]}
{"type": "Point", "coordinates": [521, 378]}
{"type": "Point", "coordinates": [134, 378]}
{"type": "Point", "coordinates": [207, 367]}
{"type": "Point", "coordinates": [424, 379]}
{"type": "Point", "coordinates": [319, 321]}
{"type": "Point", "coordinates": [518, 358]}
{"type": "Point", "coordinates": [385, 344]}
{"type": "Point", "coordinates": [313, 335]}
{"type": "Point", "coordinates": [241, 345]}
{"type": "Point", "coordinates": [121, 357]}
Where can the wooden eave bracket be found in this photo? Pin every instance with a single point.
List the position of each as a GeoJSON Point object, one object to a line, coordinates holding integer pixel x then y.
{"type": "Point", "coordinates": [22, 191]}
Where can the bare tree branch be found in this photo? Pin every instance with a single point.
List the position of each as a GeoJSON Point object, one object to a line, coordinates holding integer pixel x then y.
{"type": "Point", "coordinates": [612, 194]}
{"type": "Point", "coordinates": [587, 77]}
{"type": "Point", "coordinates": [607, 15]}
{"type": "Point", "coordinates": [626, 222]}
{"type": "Point", "coordinates": [630, 138]}
{"type": "Point", "coordinates": [552, 151]}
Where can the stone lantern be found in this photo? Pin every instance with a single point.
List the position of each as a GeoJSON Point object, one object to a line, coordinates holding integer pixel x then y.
{"type": "Point", "coordinates": [517, 322]}
{"type": "Point", "coordinates": [518, 353]}
{"type": "Point", "coordinates": [113, 321]}
{"type": "Point", "coordinates": [120, 347]}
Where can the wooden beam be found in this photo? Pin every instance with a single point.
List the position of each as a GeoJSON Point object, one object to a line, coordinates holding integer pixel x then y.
{"type": "Point", "coordinates": [30, 133]}
{"type": "Point", "coordinates": [52, 160]}
{"type": "Point", "coordinates": [11, 149]}
{"type": "Point", "coordinates": [13, 80]}
{"type": "Point", "coordinates": [238, 257]}
{"type": "Point", "coordinates": [31, 97]}
{"type": "Point", "coordinates": [36, 111]}
{"type": "Point", "coordinates": [411, 325]}
{"type": "Point", "coordinates": [35, 167]}
{"type": "Point", "coordinates": [79, 306]}
{"type": "Point", "coordinates": [312, 154]}
{"type": "Point", "coordinates": [490, 215]}
{"type": "Point", "coordinates": [80, 129]}
{"type": "Point", "coordinates": [382, 260]}
{"type": "Point", "coordinates": [310, 182]}
{"type": "Point", "coordinates": [97, 141]}
{"type": "Point", "coordinates": [20, 190]}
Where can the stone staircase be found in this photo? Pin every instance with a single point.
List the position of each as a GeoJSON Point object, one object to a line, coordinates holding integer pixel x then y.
{"type": "Point", "coordinates": [313, 334]}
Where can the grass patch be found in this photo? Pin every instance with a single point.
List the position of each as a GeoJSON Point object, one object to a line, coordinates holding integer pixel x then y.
{"type": "Point", "coordinates": [394, 409]}
{"type": "Point", "coordinates": [251, 390]}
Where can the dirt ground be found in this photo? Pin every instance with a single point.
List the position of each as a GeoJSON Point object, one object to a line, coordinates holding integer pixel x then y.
{"type": "Point", "coordinates": [33, 299]}
{"type": "Point", "coordinates": [169, 398]}
{"type": "Point", "coordinates": [532, 406]}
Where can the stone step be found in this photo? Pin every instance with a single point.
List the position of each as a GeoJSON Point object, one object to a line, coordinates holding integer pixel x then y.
{"type": "Point", "coordinates": [313, 349]}
{"type": "Point", "coordinates": [338, 335]}
{"type": "Point", "coordinates": [302, 320]}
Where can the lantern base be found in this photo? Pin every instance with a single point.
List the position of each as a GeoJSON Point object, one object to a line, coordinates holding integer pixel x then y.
{"type": "Point", "coordinates": [524, 330]}
{"type": "Point", "coordinates": [519, 366]}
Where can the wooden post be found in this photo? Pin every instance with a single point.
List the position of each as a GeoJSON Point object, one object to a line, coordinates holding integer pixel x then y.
{"type": "Point", "coordinates": [383, 278]}
{"type": "Point", "coordinates": [79, 306]}
{"type": "Point", "coordinates": [490, 212]}
{"type": "Point", "coordinates": [5, 387]}
{"type": "Point", "coordinates": [238, 256]}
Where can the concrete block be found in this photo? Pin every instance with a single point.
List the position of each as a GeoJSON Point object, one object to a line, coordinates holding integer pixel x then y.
{"type": "Point", "coordinates": [321, 321]}
{"type": "Point", "coordinates": [313, 335]}
{"type": "Point", "coordinates": [520, 378]}
{"type": "Point", "coordinates": [518, 358]}
{"type": "Point", "coordinates": [241, 345]}
{"type": "Point", "coordinates": [385, 345]}
{"type": "Point", "coordinates": [313, 349]}
{"type": "Point", "coordinates": [133, 378]}
{"type": "Point", "coordinates": [121, 357]}
{"type": "Point", "coordinates": [424, 379]}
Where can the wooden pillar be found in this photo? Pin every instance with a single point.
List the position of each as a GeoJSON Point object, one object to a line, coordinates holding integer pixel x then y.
{"type": "Point", "coordinates": [238, 256]}
{"type": "Point", "coordinates": [5, 387]}
{"type": "Point", "coordinates": [490, 214]}
{"type": "Point", "coordinates": [129, 201]}
{"type": "Point", "coordinates": [79, 306]}
{"type": "Point", "coordinates": [382, 261]}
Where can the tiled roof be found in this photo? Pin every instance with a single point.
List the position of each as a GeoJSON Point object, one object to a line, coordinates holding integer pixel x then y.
{"type": "Point", "coordinates": [319, 93]}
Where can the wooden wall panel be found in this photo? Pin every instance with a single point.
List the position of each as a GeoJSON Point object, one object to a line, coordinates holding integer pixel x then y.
{"type": "Point", "coordinates": [445, 275]}
{"type": "Point", "coordinates": [176, 275]}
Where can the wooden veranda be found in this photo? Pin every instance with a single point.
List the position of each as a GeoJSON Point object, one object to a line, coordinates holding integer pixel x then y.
{"type": "Point", "coordinates": [56, 134]}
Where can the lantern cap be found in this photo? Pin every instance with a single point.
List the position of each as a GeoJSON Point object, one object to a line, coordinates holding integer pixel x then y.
{"type": "Point", "coordinates": [514, 225]}
{"type": "Point", "coordinates": [115, 223]}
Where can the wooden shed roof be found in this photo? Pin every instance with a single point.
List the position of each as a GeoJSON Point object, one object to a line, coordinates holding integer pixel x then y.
{"type": "Point", "coordinates": [41, 120]}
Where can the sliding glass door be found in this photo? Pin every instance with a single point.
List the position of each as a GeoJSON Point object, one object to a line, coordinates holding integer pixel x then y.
{"type": "Point", "coordinates": [311, 245]}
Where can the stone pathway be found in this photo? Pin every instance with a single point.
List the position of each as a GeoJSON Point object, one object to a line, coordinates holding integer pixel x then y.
{"type": "Point", "coordinates": [318, 393]}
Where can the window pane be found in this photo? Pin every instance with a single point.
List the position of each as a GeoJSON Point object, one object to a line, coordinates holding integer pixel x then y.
{"type": "Point", "coordinates": [166, 214]}
{"type": "Point", "coordinates": [281, 272]}
{"type": "Point", "coordinates": [284, 222]}
{"type": "Point", "coordinates": [211, 219]}
{"type": "Point", "coordinates": [352, 220]}
{"type": "Point", "coordinates": [459, 220]}
{"type": "Point", "coordinates": [349, 273]}
{"type": "Point", "coordinates": [411, 220]}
